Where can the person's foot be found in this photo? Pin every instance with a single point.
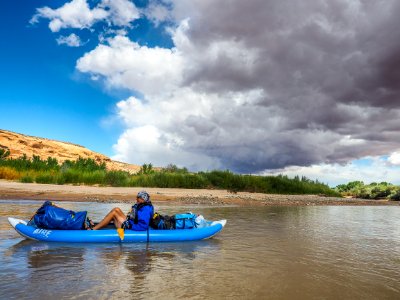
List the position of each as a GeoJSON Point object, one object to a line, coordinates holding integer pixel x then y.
{"type": "Point", "coordinates": [89, 224]}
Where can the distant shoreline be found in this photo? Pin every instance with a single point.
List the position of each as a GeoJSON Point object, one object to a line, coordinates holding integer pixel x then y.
{"type": "Point", "coordinates": [10, 190]}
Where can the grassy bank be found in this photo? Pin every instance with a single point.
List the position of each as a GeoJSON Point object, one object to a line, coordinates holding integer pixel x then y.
{"type": "Point", "coordinates": [88, 172]}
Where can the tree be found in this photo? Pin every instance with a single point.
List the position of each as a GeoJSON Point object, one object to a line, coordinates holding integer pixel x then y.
{"type": "Point", "coordinates": [171, 168]}
{"type": "Point", "coordinates": [351, 186]}
{"type": "Point", "coordinates": [146, 169]}
{"type": "Point", "coordinates": [4, 153]}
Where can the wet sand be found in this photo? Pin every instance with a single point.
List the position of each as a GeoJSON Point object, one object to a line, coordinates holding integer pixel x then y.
{"type": "Point", "coordinates": [10, 190]}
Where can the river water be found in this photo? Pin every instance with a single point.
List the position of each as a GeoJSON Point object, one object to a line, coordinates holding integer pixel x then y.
{"type": "Point", "coordinates": [325, 252]}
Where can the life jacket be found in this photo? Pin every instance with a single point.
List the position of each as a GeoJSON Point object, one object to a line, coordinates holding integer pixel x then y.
{"type": "Point", "coordinates": [137, 207]}
{"type": "Point", "coordinates": [132, 219]}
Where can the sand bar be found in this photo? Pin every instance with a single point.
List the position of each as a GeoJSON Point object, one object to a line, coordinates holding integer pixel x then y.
{"type": "Point", "coordinates": [10, 190]}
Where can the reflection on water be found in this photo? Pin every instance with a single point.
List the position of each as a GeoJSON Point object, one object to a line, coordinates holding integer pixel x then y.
{"type": "Point", "coordinates": [92, 269]}
{"type": "Point", "coordinates": [273, 252]}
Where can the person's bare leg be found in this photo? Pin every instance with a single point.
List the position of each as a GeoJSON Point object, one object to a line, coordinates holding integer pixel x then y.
{"type": "Point", "coordinates": [115, 215]}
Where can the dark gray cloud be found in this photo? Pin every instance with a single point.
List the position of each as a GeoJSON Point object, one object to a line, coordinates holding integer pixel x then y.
{"type": "Point", "coordinates": [328, 72]}
{"type": "Point", "coordinates": [260, 84]}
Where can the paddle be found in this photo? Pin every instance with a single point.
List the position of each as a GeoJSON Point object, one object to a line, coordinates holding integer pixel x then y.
{"type": "Point", "coordinates": [121, 233]}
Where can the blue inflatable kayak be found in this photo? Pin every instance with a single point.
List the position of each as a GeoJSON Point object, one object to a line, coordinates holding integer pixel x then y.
{"type": "Point", "coordinates": [112, 236]}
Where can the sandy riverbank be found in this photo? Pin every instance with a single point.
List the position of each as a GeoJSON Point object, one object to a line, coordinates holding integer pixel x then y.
{"type": "Point", "coordinates": [30, 191]}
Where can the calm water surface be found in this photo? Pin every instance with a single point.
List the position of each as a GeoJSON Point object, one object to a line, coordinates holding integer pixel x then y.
{"type": "Point", "coordinates": [262, 253]}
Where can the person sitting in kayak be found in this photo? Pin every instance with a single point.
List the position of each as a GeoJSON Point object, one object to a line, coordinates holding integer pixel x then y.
{"type": "Point", "coordinates": [137, 219]}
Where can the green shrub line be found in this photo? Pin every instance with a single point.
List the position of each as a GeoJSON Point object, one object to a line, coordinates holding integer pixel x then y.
{"type": "Point", "coordinates": [374, 190]}
{"type": "Point", "coordinates": [89, 172]}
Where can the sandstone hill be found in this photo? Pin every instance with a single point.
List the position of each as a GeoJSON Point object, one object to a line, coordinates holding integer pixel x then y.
{"type": "Point", "coordinates": [20, 144]}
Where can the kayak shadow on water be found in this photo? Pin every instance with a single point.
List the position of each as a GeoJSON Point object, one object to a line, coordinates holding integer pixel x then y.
{"type": "Point", "coordinates": [42, 254]}
{"type": "Point", "coordinates": [136, 259]}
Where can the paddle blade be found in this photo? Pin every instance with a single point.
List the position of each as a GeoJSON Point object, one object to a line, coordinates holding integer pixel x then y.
{"type": "Point", "coordinates": [121, 233]}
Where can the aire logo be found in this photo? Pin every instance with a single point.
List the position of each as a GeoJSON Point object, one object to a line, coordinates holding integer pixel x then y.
{"type": "Point", "coordinates": [43, 232]}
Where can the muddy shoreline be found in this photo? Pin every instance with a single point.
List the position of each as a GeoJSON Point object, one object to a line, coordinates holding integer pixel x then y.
{"type": "Point", "coordinates": [10, 190]}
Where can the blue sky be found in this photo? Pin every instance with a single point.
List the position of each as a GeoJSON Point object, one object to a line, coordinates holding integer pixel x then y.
{"type": "Point", "coordinates": [43, 94]}
{"type": "Point", "coordinates": [264, 87]}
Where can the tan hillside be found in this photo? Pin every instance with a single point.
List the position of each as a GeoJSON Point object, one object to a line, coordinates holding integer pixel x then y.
{"type": "Point", "coordinates": [20, 144]}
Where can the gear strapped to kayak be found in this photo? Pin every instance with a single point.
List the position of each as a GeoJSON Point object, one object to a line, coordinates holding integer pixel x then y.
{"type": "Point", "coordinates": [49, 216]}
{"type": "Point", "coordinates": [178, 221]}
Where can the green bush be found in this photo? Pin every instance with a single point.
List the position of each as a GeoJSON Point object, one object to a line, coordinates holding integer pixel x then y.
{"type": "Point", "coordinates": [395, 195]}
{"type": "Point", "coordinates": [374, 190]}
{"type": "Point", "coordinates": [116, 178]}
{"type": "Point", "coordinates": [46, 178]}
{"type": "Point", "coordinates": [83, 165]}
{"type": "Point", "coordinates": [69, 176]}
{"type": "Point", "coordinates": [95, 177]}
{"type": "Point", "coordinates": [60, 179]}
{"type": "Point", "coordinates": [26, 179]}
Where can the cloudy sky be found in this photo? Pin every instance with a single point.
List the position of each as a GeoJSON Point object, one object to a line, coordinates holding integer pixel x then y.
{"type": "Point", "coordinates": [262, 87]}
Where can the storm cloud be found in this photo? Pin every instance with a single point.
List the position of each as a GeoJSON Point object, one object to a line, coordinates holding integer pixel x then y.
{"type": "Point", "coordinates": [257, 85]}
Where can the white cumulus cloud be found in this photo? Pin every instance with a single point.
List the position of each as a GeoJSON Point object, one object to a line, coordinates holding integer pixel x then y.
{"type": "Point", "coordinates": [141, 144]}
{"type": "Point", "coordinates": [394, 158]}
{"type": "Point", "coordinates": [74, 14]}
{"type": "Point", "coordinates": [120, 12]}
{"type": "Point", "coordinates": [126, 64]}
{"type": "Point", "coordinates": [157, 12]}
{"type": "Point", "coordinates": [78, 14]}
{"type": "Point", "coordinates": [71, 40]}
